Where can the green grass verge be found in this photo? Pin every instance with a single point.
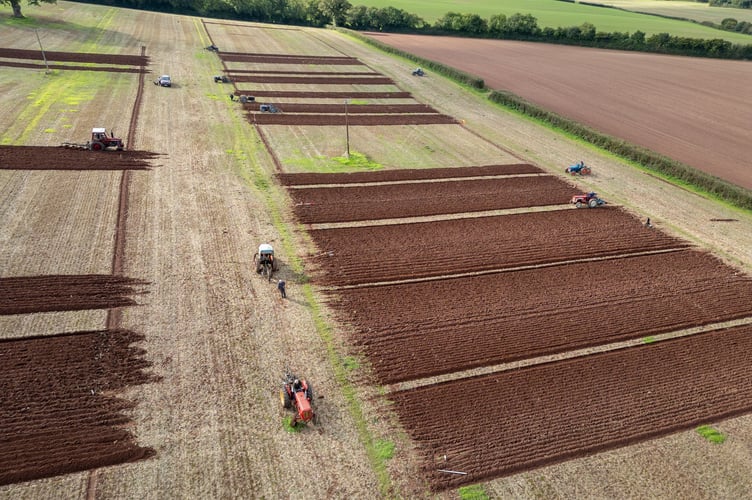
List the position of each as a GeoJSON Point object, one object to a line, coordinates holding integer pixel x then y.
{"type": "Point", "coordinates": [384, 449]}
{"type": "Point", "coordinates": [711, 434]}
{"type": "Point", "coordinates": [648, 340]}
{"type": "Point", "coordinates": [473, 492]}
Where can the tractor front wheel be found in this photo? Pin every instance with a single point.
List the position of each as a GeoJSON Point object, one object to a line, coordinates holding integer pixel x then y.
{"type": "Point", "coordinates": [578, 204]}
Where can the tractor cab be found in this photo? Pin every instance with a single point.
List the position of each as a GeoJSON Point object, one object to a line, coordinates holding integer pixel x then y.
{"type": "Point", "coordinates": [100, 140]}
{"type": "Point", "coordinates": [265, 253]}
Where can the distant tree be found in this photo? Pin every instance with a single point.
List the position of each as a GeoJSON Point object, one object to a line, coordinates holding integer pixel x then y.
{"type": "Point", "coordinates": [336, 10]}
{"type": "Point", "coordinates": [16, 5]}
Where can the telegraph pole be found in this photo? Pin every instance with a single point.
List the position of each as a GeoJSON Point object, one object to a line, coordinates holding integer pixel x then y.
{"type": "Point", "coordinates": [347, 130]}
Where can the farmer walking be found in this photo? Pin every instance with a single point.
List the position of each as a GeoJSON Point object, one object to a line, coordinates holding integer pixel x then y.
{"type": "Point", "coordinates": [281, 288]}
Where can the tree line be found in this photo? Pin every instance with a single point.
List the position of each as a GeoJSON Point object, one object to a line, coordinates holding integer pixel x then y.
{"type": "Point", "coordinates": [342, 13]}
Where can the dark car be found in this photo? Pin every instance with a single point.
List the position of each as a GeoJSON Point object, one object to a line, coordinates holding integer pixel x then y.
{"type": "Point", "coordinates": [163, 81]}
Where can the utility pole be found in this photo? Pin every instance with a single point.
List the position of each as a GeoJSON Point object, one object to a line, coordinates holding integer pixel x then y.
{"type": "Point", "coordinates": [347, 130]}
{"type": "Point", "coordinates": [47, 71]}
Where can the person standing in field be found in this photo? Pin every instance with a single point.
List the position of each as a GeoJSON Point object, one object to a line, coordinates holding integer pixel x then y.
{"type": "Point", "coordinates": [281, 288]}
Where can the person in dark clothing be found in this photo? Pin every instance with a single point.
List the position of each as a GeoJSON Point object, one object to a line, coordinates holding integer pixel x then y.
{"type": "Point", "coordinates": [281, 288]}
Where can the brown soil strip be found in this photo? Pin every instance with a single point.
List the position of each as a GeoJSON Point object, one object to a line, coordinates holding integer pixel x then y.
{"type": "Point", "coordinates": [316, 80]}
{"type": "Point", "coordinates": [289, 59]}
{"type": "Point", "coordinates": [326, 95]}
{"type": "Point", "coordinates": [558, 411]}
{"type": "Point", "coordinates": [234, 72]}
{"type": "Point", "coordinates": [60, 158]}
{"type": "Point", "coordinates": [406, 174]}
{"type": "Point", "coordinates": [353, 256]}
{"type": "Point", "coordinates": [341, 204]}
{"type": "Point", "coordinates": [56, 414]}
{"type": "Point", "coordinates": [32, 294]}
{"type": "Point", "coordinates": [353, 109]}
{"type": "Point", "coordinates": [120, 59]}
{"type": "Point", "coordinates": [418, 330]}
{"type": "Point", "coordinates": [109, 69]}
{"type": "Point", "coordinates": [356, 120]}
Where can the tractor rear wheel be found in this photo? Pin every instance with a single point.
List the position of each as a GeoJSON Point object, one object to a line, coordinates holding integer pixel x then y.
{"type": "Point", "coordinates": [268, 271]}
{"type": "Point", "coordinates": [97, 146]}
{"type": "Point", "coordinates": [592, 203]}
{"type": "Point", "coordinates": [285, 397]}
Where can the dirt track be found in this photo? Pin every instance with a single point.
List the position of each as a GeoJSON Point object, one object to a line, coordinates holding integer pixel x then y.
{"type": "Point", "coordinates": [690, 109]}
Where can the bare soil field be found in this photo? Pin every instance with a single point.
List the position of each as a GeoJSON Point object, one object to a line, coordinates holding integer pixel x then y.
{"type": "Point", "coordinates": [418, 330]}
{"type": "Point", "coordinates": [386, 201]}
{"type": "Point", "coordinates": [196, 397]}
{"type": "Point", "coordinates": [367, 120]}
{"type": "Point", "coordinates": [702, 121]}
{"type": "Point", "coordinates": [510, 421]}
{"type": "Point", "coordinates": [60, 158]}
{"type": "Point", "coordinates": [357, 255]}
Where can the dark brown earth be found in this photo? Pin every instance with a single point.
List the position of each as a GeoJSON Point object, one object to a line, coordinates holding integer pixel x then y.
{"type": "Point", "coordinates": [406, 174]}
{"type": "Point", "coordinates": [325, 95]}
{"type": "Point", "coordinates": [118, 59]}
{"type": "Point", "coordinates": [57, 414]}
{"type": "Point", "coordinates": [416, 330]}
{"type": "Point", "coordinates": [316, 80]}
{"type": "Point", "coordinates": [355, 120]}
{"type": "Point", "coordinates": [60, 158]}
{"type": "Point", "coordinates": [71, 67]}
{"type": "Point", "coordinates": [356, 255]}
{"type": "Point", "coordinates": [354, 203]}
{"type": "Point", "coordinates": [21, 295]}
{"type": "Point", "coordinates": [499, 424]}
{"type": "Point", "coordinates": [691, 109]}
{"type": "Point", "coordinates": [352, 109]}
{"type": "Point", "coordinates": [288, 59]}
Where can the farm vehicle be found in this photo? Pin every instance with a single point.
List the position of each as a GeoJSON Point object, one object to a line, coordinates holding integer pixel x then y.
{"type": "Point", "coordinates": [419, 72]}
{"type": "Point", "coordinates": [265, 262]}
{"type": "Point", "coordinates": [578, 169]}
{"type": "Point", "coordinates": [100, 141]}
{"type": "Point", "coordinates": [589, 200]}
{"type": "Point", "coordinates": [297, 394]}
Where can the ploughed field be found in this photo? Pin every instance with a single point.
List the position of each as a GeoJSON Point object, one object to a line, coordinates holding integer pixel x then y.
{"type": "Point", "coordinates": [433, 300]}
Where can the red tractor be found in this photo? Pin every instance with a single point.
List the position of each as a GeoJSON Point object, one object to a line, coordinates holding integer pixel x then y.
{"type": "Point", "coordinates": [297, 393]}
{"type": "Point", "coordinates": [101, 141]}
{"type": "Point", "coordinates": [589, 200]}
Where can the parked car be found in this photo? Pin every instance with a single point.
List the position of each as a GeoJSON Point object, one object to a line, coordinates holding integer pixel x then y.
{"type": "Point", "coordinates": [163, 81]}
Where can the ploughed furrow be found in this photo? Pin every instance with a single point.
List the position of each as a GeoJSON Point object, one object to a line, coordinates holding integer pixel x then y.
{"type": "Point", "coordinates": [325, 94]}
{"type": "Point", "coordinates": [358, 255]}
{"type": "Point", "coordinates": [352, 110]}
{"type": "Point", "coordinates": [301, 119]}
{"type": "Point", "coordinates": [494, 425]}
{"type": "Point", "coordinates": [60, 158]}
{"type": "Point", "coordinates": [288, 59]}
{"type": "Point", "coordinates": [48, 55]}
{"type": "Point", "coordinates": [408, 174]}
{"type": "Point", "coordinates": [316, 80]}
{"type": "Point", "coordinates": [57, 412]}
{"type": "Point", "coordinates": [416, 330]}
{"type": "Point", "coordinates": [31, 294]}
{"type": "Point", "coordinates": [357, 203]}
